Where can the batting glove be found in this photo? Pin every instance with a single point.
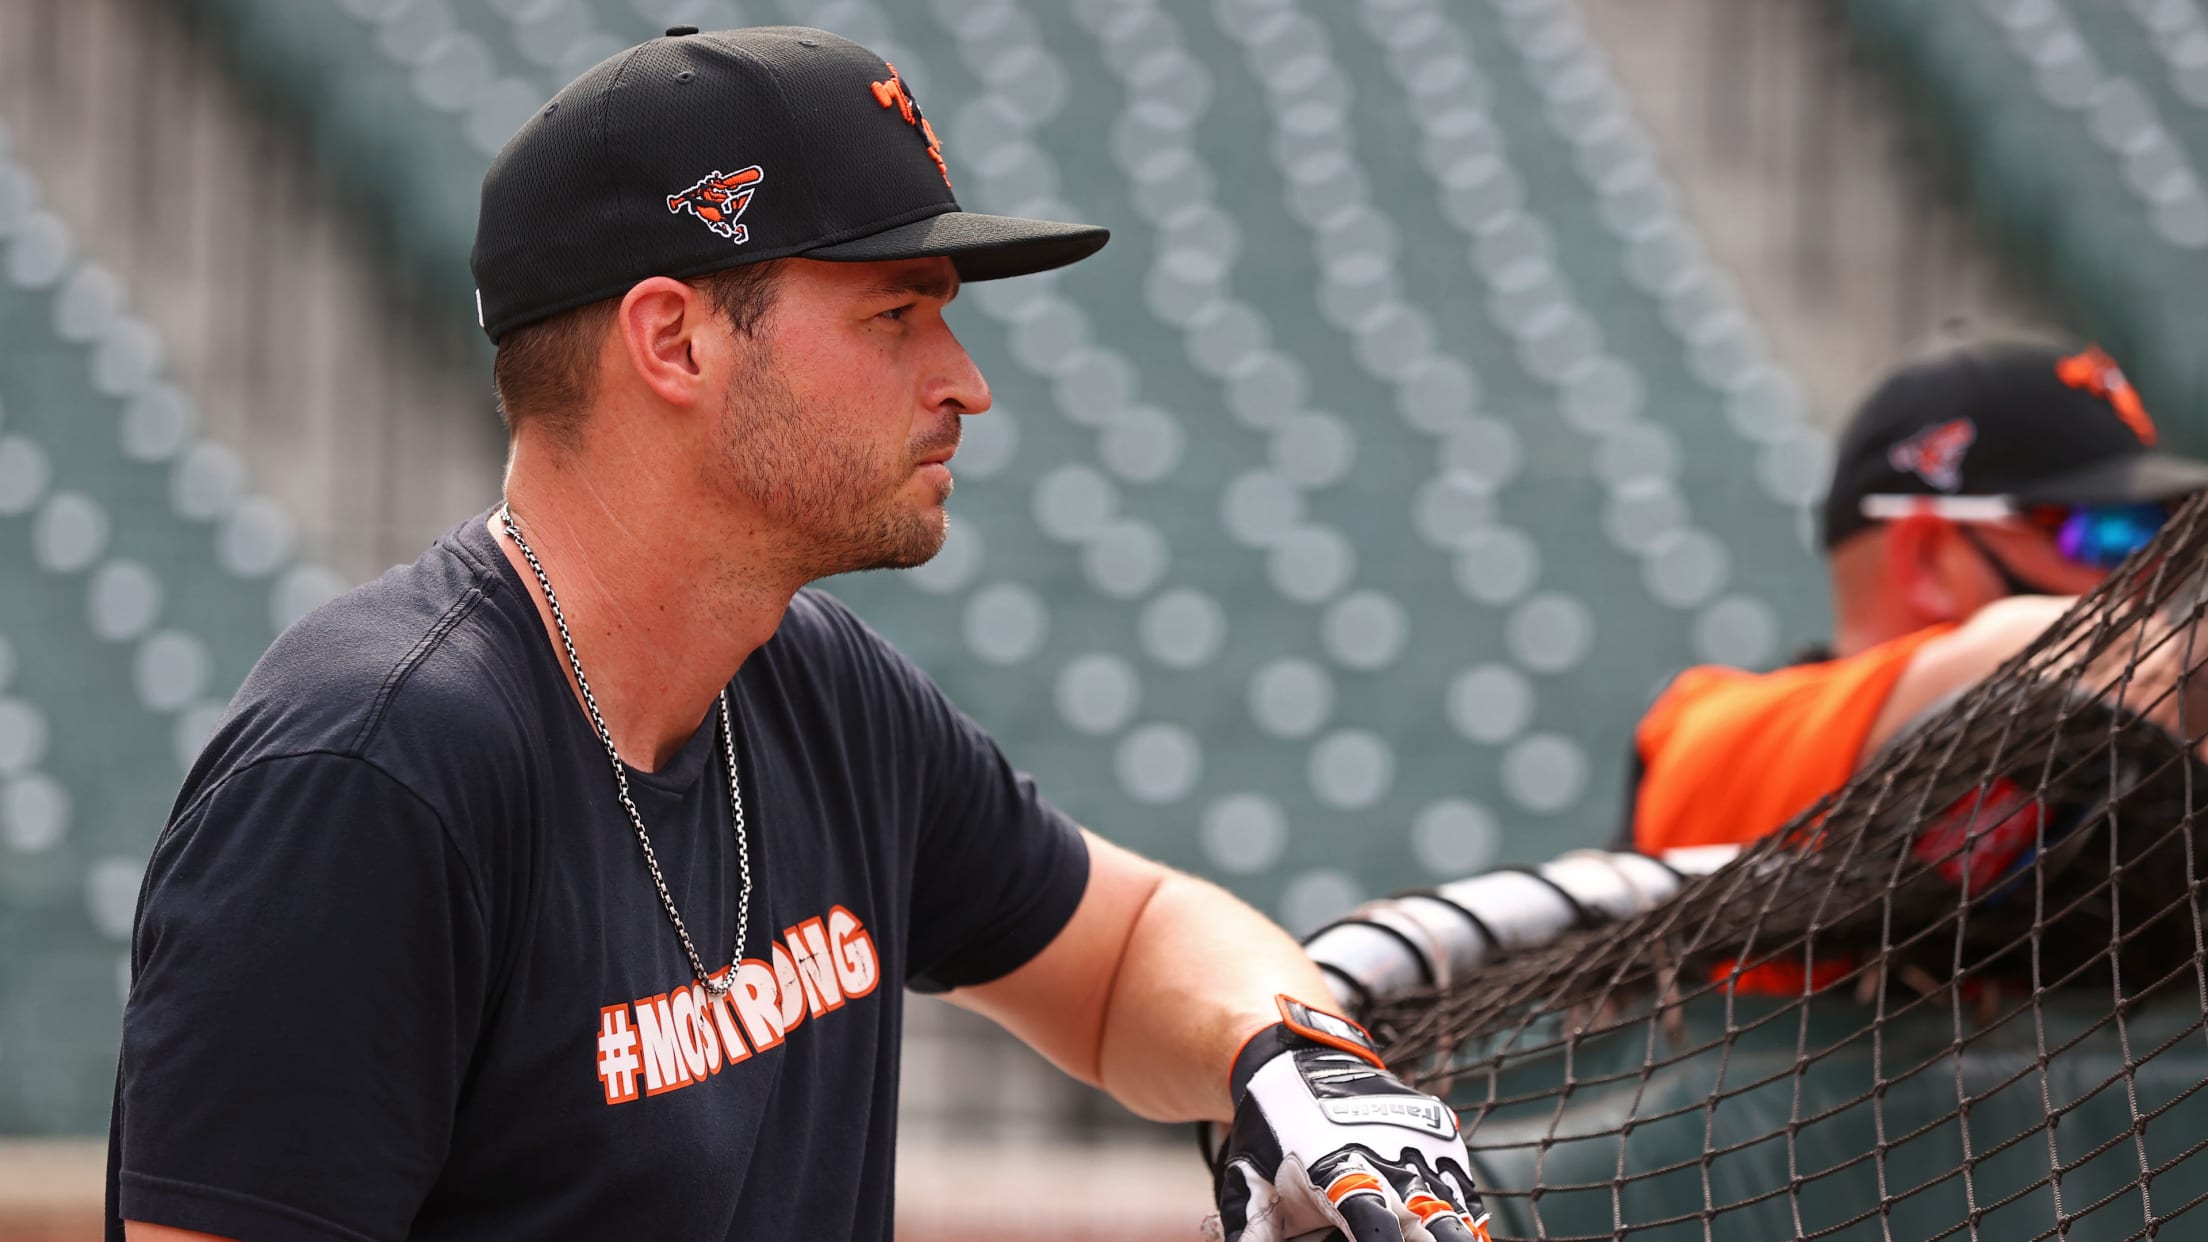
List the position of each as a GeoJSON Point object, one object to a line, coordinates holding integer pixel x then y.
{"type": "Point", "coordinates": [1325, 1138]}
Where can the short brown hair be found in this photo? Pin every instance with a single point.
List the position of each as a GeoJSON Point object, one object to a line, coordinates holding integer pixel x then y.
{"type": "Point", "coordinates": [546, 372]}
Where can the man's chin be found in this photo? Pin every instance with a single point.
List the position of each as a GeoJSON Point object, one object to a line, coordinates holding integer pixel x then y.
{"type": "Point", "coordinates": [925, 543]}
{"type": "Point", "coordinates": [910, 547]}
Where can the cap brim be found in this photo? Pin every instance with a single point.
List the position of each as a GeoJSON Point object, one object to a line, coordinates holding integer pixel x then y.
{"type": "Point", "coordinates": [2138, 479]}
{"type": "Point", "coordinates": [981, 247]}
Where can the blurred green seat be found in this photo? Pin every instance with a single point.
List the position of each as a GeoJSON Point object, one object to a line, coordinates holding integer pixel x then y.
{"type": "Point", "coordinates": [410, 169]}
{"type": "Point", "coordinates": [2067, 199]}
{"type": "Point", "coordinates": [47, 386]}
{"type": "Point", "coordinates": [141, 579]}
{"type": "Point", "coordinates": [1744, 1127]}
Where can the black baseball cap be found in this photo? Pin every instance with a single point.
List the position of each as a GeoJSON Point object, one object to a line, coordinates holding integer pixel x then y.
{"type": "Point", "coordinates": [701, 151]}
{"type": "Point", "coordinates": [2030, 424]}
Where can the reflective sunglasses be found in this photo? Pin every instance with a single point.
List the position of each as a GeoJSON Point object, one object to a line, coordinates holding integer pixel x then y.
{"type": "Point", "coordinates": [2096, 536]}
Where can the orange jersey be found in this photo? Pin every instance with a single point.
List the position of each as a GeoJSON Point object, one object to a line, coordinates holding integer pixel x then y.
{"type": "Point", "coordinates": [1728, 756]}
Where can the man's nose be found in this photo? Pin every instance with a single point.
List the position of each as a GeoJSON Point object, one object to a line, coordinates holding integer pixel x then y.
{"type": "Point", "coordinates": [961, 385]}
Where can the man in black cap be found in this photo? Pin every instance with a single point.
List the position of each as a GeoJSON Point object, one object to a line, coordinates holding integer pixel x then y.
{"type": "Point", "coordinates": [1973, 495]}
{"type": "Point", "coordinates": [566, 882]}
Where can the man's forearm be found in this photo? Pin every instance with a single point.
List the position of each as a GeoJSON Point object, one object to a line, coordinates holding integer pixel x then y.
{"type": "Point", "coordinates": [1198, 979]}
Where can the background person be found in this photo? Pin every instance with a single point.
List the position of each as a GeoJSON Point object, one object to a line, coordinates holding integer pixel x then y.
{"type": "Point", "coordinates": [1973, 494]}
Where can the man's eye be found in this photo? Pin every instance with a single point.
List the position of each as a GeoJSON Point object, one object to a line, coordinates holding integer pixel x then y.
{"type": "Point", "coordinates": [897, 313]}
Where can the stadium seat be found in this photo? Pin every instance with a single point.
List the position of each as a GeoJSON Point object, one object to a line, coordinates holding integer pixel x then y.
{"type": "Point", "coordinates": [402, 101]}
{"type": "Point", "coordinates": [2086, 138]}
{"type": "Point", "coordinates": [1724, 1131]}
{"type": "Point", "coordinates": [143, 579]}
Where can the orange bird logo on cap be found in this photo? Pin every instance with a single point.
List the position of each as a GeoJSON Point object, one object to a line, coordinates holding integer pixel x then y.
{"type": "Point", "coordinates": [892, 94]}
{"type": "Point", "coordinates": [719, 199]}
{"type": "Point", "coordinates": [2095, 372]}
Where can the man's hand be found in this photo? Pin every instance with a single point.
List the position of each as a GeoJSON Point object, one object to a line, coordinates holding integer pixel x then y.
{"type": "Point", "coordinates": [1325, 1137]}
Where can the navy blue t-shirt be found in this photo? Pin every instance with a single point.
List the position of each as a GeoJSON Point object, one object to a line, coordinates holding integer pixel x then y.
{"type": "Point", "coordinates": [400, 971]}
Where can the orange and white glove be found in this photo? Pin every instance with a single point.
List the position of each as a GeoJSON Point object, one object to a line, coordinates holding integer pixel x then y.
{"type": "Point", "coordinates": [1325, 1138]}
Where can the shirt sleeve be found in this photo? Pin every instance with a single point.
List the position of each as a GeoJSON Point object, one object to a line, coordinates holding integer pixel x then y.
{"type": "Point", "coordinates": [1732, 757]}
{"type": "Point", "coordinates": [997, 870]}
{"type": "Point", "coordinates": [309, 965]}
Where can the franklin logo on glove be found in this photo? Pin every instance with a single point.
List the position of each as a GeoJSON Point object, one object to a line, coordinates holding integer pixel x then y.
{"type": "Point", "coordinates": [1422, 1111]}
{"type": "Point", "coordinates": [1325, 1138]}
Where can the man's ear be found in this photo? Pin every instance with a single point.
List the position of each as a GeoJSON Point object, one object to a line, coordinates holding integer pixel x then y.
{"type": "Point", "coordinates": [660, 338]}
{"type": "Point", "coordinates": [1921, 566]}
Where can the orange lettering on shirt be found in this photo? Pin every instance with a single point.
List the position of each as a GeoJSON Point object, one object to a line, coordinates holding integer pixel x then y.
{"type": "Point", "coordinates": [858, 968]}
{"type": "Point", "coordinates": [789, 988]}
{"type": "Point", "coordinates": [816, 971]}
{"type": "Point", "coordinates": [686, 1035]}
{"type": "Point", "coordinates": [665, 1066]}
{"type": "Point", "coordinates": [723, 1009]}
{"type": "Point", "coordinates": [756, 1003]}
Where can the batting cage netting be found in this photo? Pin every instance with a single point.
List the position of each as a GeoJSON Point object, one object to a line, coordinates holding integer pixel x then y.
{"type": "Point", "coordinates": [1963, 997]}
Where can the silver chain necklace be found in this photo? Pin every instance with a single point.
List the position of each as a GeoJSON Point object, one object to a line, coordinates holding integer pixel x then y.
{"type": "Point", "coordinates": [621, 780]}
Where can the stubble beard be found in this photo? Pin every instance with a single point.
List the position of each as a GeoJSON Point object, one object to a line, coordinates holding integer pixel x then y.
{"type": "Point", "coordinates": [823, 489]}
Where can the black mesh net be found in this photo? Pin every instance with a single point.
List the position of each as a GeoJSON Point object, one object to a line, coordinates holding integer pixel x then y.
{"type": "Point", "coordinates": [1963, 997]}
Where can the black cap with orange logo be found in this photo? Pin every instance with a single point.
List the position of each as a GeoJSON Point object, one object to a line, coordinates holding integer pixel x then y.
{"type": "Point", "coordinates": [2029, 424]}
{"type": "Point", "coordinates": [702, 151]}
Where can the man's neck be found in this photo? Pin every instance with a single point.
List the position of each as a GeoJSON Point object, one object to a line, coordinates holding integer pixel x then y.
{"type": "Point", "coordinates": [662, 613]}
{"type": "Point", "coordinates": [1849, 640]}
{"type": "Point", "coordinates": [1851, 637]}
{"type": "Point", "coordinates": [1867, 608]}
